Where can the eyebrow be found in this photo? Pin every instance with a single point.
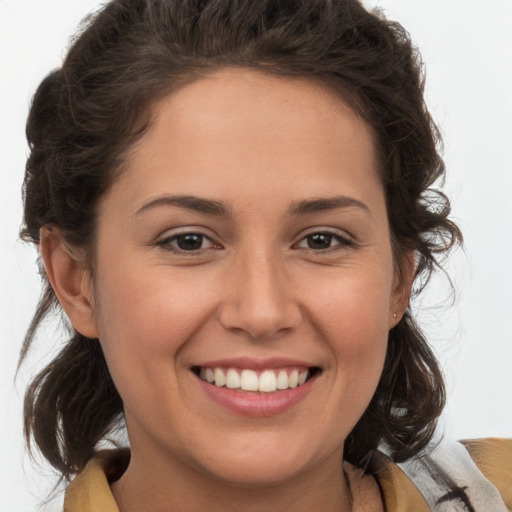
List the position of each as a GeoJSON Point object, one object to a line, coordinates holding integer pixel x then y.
{"type": "Point", "coordinates": [212, 207]}
{"type": "Point", "coordinates": [327, 203]}
{"type": "Point", "coordinates": [197, 204]}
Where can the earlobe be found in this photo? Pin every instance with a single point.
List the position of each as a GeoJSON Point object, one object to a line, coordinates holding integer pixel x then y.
{"type": "Point", "coordinates": [402, 287]}
{"type": "Point", "coordinates": [70, 280]}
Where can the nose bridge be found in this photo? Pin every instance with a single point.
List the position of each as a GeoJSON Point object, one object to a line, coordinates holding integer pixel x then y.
{"type": "Point", "coordinates": [260, 301]}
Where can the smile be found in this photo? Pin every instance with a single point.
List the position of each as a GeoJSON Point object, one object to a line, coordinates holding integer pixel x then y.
{"type": "Point", "coordinates": [256, 387]}
{"type": "Point", "coordinates": [265, 381]}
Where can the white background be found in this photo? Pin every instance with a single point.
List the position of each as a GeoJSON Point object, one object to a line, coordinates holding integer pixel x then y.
{"type": "Point", "coordinates": [467, 48]}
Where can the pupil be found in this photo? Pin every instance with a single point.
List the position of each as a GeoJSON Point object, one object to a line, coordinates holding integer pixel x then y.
{"type": "Point", "coordinates": [190, 242]}
{"type": "Point", "coordinates": [319, 241]}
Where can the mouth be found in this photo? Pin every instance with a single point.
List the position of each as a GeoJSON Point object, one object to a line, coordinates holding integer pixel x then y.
{"type": "Point", "coordinates": [271, 380]}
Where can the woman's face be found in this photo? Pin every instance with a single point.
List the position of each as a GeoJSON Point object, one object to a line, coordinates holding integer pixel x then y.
{"type": "Point", "coordinates": [247, 241]}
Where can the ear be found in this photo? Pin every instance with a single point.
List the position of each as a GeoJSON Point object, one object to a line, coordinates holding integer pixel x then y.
{"type": "Point", "coordinates": [402, 286]}
{"type": "Point", "coordinates": [70, 280]}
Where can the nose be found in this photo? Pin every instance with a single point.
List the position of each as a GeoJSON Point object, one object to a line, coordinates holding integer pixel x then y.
{"type": "Point", "coordinates": [259, 298]}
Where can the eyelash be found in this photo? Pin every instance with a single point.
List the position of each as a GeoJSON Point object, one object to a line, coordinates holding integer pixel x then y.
{"type": "Point", "coordinates": [166, 243]}
{"type": "Point", "coordinates": [343, 241]}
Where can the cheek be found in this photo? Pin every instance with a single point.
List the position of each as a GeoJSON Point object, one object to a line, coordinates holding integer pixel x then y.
{"type": "Point", "coordinates": [359, 343]}
{"type": "Point", "coordinates": [351, 308]}
{"type": "Point", "coordinates": [352, 316]}
{"type": "Point", "coordinates": [144, 302]}
{"type": "Point", "coordinates": [144, 319]}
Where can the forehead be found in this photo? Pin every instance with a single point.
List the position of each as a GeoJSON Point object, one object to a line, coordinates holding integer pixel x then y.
{"type": "Point", "coordinates": [251, 101]}
{"type": "Point", "coordinates": [245, 130]}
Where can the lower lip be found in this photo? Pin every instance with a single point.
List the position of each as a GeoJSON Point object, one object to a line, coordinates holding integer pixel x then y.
{"type": "Point", "coordinates": [249, 403]}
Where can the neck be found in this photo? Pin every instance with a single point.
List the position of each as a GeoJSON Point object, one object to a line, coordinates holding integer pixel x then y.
{"type": "Point", "coordinates": [156, 485]}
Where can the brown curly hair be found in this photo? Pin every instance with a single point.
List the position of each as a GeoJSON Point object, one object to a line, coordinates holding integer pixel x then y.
{"type": "Point", "coordinates": [86, 115]}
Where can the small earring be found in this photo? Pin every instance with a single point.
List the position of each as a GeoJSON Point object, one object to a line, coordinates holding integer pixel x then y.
{"type": "Point", "coordinates": [394, 315]}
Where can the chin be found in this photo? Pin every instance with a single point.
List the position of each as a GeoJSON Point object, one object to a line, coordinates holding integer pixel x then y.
{"type": "Point", "coordinates": [256, 474]}
{"type": "Point", "coordinates": [262, 463]}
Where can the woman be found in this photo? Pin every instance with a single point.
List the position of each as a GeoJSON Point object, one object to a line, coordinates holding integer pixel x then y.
{"type": "Point", "coordinates": [232, 203]}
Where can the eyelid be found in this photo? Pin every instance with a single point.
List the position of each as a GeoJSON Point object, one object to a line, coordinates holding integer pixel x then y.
{"type": "Point", "coordinates": [345, 239]}
{"type": "Point", "coordinates": [165, 238]}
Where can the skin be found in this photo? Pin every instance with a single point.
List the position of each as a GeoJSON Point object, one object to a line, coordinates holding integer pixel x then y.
{"type": "Point", "coordinates": [259, 145]}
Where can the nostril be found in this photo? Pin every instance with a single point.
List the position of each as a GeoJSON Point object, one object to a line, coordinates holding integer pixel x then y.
{"type": "Point", "coordinates": [260, 311]}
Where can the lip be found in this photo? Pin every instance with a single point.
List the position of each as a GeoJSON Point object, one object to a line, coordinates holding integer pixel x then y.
{"type": "Point", "coordinates": [256, 404]}
{"type": "Point", "coordinates": [255, 364]}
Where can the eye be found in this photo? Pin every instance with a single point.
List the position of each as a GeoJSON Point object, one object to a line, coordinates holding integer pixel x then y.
{"type": "Point", "coordinates": [321, 241]}
{"type": "Point", "coordinates": [187, 242]}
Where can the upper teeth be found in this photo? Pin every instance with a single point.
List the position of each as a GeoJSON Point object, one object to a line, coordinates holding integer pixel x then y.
{"type": "Point", "coordinates": [249, 380]}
